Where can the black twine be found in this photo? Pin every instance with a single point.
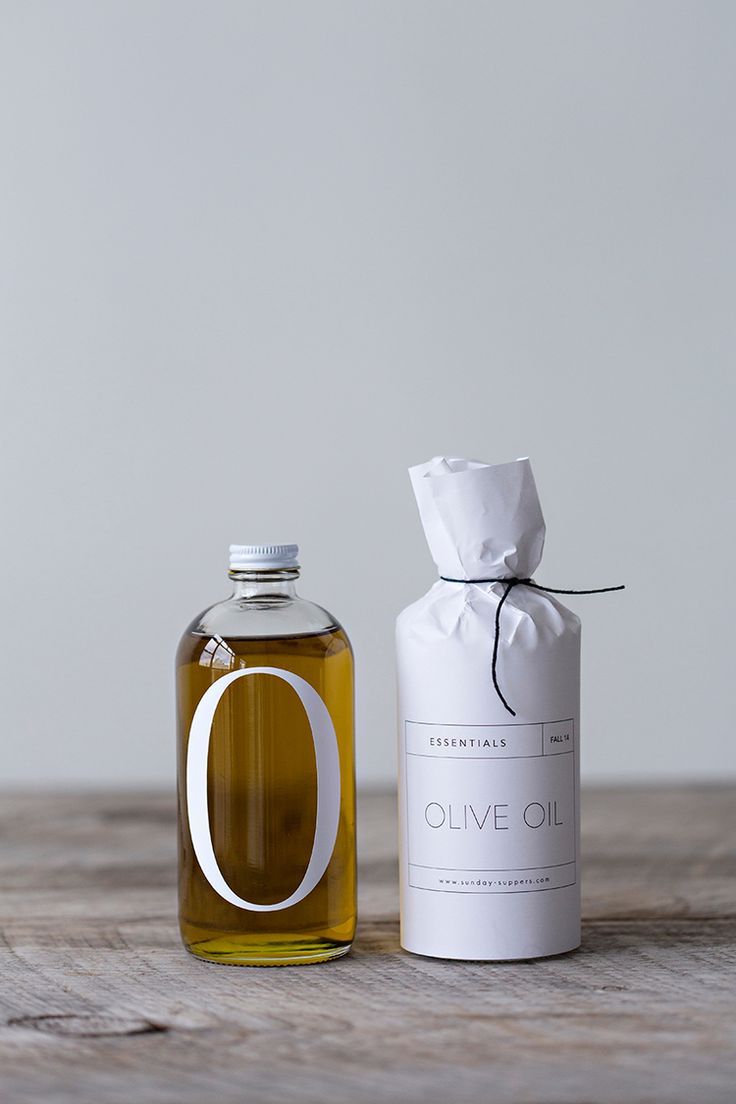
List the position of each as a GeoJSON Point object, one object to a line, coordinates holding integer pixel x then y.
{"type": "Point", "coordinates": [510, 584]}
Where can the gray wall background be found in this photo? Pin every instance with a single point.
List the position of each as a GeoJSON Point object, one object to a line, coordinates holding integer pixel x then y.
{"type": "Point", "coordinates": [256, 259]}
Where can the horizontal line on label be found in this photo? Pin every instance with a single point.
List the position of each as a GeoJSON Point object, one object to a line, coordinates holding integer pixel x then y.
{"type": "Point", "coordinates": [492, 869]}
{"type": "Point", "coordinates": [514, 724]}
{"type": "Point", "coordinates": [496, 892]}
{"type": "Point", "coordinates": [543, 755]}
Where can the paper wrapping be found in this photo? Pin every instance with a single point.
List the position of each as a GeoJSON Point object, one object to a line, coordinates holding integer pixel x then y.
{"type": "Point", "coordinates": [488, 802]}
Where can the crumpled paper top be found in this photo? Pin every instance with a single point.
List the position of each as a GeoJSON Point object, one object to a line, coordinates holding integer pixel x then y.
{"type": "Point", "coordinates": [480, 520]}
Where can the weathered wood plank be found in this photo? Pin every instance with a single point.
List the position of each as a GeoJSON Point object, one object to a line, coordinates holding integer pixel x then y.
{"type": "Point", "coordinates": [98, 1002]}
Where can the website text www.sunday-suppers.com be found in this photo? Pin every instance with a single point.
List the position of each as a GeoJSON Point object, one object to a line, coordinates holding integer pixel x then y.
{"type": "Point", "coordinates": [495, 883]}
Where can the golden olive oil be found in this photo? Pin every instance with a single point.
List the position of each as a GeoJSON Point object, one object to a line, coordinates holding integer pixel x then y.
{"type": "Point", "coordinates": [262, 796]}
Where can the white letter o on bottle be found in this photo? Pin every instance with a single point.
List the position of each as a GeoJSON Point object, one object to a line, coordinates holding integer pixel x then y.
{"type": "Point", "coordinates": [328, 786]}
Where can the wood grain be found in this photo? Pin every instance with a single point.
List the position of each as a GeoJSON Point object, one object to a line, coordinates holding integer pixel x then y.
{"type": "Point", "coordinates": [99, 1003]}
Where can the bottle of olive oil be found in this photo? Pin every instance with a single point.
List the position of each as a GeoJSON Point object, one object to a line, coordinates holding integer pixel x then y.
{"type": "Point", "coordinates": [266, 773]}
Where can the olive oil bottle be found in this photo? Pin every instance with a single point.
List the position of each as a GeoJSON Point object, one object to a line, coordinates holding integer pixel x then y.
{"type": "Point", "coordinates": [266, 772]}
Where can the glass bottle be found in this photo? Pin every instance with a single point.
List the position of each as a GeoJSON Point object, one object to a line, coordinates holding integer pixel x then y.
{"type": "Point", "coordinates": [266, 772]}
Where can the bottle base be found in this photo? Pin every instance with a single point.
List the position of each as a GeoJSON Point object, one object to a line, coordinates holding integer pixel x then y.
{"type": "Point", "coordinates": [233, 952]}
{"type": "Point", "coordinates": [450, 956]}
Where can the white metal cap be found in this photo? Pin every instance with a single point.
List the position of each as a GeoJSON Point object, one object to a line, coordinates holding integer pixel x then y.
{"type": "Point", "coordinates": [263, 557]}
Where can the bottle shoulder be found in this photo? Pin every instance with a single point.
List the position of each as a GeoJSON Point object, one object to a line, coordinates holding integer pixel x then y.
{"type": "Point", "coordinates": [263, 617]}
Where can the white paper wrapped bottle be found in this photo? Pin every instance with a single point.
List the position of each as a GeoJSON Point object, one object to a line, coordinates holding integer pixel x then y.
{"type": "Point", "coordinates": [488, 801]}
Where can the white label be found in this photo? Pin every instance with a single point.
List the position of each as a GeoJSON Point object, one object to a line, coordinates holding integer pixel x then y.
{"type": "Point", "coordinates": [491, 808]}
{"type": "Point", "coordinates": [328, 786]}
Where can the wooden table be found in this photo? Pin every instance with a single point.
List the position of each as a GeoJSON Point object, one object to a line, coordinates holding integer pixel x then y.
{"type": "Point", "coordinates": [99, 1003]}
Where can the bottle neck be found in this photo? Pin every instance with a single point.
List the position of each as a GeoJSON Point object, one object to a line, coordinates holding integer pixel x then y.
{"type": "Point", "coordinates": [274, 583]}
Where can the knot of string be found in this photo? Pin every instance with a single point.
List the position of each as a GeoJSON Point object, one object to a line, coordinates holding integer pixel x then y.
{"type": "Point", "coordinates": [508, 586]}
